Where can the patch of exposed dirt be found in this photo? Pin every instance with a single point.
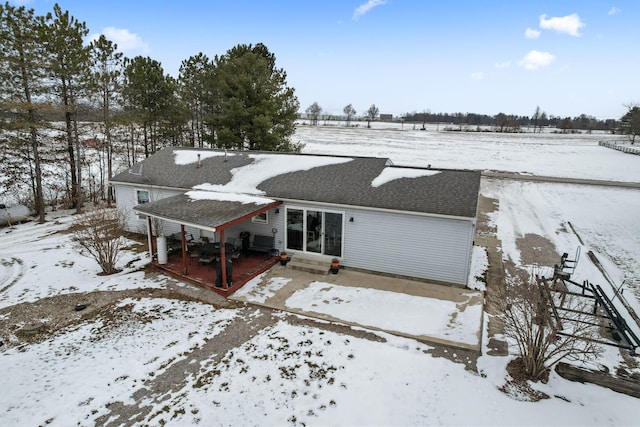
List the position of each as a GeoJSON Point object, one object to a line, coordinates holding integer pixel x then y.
{"type": "Point", "coordinates": [518, 387]}
{"type": "Point", "coordinates": [60, 311]}
{"type": "Point", "coordinates": [486, 206]}
{"type": "Point", "coordinates": [537, 250]}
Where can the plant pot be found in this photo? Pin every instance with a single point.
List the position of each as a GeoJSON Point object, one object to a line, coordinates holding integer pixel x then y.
{"type": "Point", "coordinates": [284, 258]}
{"type": "Point", "coordinates": [335, 266]}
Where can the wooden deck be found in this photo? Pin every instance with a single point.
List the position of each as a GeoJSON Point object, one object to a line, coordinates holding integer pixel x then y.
{"type": "Point", "coordinates": [244, 269]}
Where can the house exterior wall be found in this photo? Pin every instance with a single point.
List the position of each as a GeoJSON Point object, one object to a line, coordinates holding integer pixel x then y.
{"type": "Point", "coordinates": [274, 220]}
{"type": "Point", "coordinates": [428, 247]}
{"type": "Point", "coordinates": [126, 200]}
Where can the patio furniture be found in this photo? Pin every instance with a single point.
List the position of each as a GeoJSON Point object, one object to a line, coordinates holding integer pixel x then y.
{"type": "Point", "coordinates": [193, 254]}
{"type": "Point", "coordinates": [262, 244]}
{"type": "Point", "coordinates": [206, 258]}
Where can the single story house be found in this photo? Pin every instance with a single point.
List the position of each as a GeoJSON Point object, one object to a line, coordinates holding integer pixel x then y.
{"type": "Point", "coordinates": [367, 212]}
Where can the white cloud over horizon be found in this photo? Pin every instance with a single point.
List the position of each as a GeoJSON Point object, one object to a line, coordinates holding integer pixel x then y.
{"type": "Point", "coordinates": [126, 40]}
{"type": "Point", "coordinates": [366, 7]}
{"type": "Point", "coordinates": [530, 33]}
{"type": "Point", "coordinates": [536, 59]}
{"type": "Point", "coordinates": [478, 75]}
{"type": "Point", "coordinates": [613, 11]}
{"type": "Point", "coordinates": [569, 24]}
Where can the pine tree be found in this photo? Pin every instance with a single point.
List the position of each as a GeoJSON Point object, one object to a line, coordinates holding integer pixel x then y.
{"type": "Point", "coordinates": [257, 109]}
{"type": "Point", "coordinates": [69, 68]}
{"type": "Point", "coordinates": [195, 90]}
{"type": "Point", "coordinates": [107, 69]}
{"type": "Point", "coordinates": [22, 73]}
{"type": "Point", "coordinates": [148, 95]}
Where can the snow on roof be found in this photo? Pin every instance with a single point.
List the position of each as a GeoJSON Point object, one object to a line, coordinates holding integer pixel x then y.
{"type": "Point", "coordinates": [227, 197]}
{"type": "Point", "coordinates": [392, 173]}
{"type": "Point", "coordinates": [265, 166]}
{"type": "Point", "coordinates": [185, 157]}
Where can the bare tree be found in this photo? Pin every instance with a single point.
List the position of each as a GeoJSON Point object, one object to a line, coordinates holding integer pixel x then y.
{"type": "Point", "coordinates": [314, 111]}
{"type": "Point", "coordinates": [349, 111]}
{"type": "Point", "coordinates": [537, 116]}
{"type": "Point", "coordinates": [100, 232]}
{"type": "Point", "coordinates": [372, 113]}
{"type": "Point", "coordinates": [526, 308]}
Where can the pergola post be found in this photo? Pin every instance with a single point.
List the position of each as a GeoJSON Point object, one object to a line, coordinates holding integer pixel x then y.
{"type": "Point", "coordinates": [150, 237]}
{"type": "Point", "coordinates": [184, 248]}
{"type": "Point", "coordinates": [223, 260]}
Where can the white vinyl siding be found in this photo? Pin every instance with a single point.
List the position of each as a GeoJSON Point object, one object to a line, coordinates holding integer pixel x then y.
{"type": "Point", "coordinates": [127, 197]}
{"type": "Point", "coordinates": [431, 248]}
{"type": "Point", "coordinates": [426, 247]}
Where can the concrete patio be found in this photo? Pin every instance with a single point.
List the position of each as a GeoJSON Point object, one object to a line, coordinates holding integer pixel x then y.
{"type": "Point", "coordinates": [454, 300]}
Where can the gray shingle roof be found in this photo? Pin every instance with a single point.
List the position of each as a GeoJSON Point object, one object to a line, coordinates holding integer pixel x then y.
{"type": "Point", "coordinates": [206, 213]}
{"type": "Point", "coordinates": [450, 192]}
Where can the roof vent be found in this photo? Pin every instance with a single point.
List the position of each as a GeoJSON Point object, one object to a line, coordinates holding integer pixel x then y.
{"type": "Point", "coordinates": [225, 154]}
{"type": "Point", "coordinates": [199, 162]}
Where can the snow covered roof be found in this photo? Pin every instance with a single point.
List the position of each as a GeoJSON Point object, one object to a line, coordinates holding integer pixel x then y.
{"type": "Point", "coordinates": [341, 180]}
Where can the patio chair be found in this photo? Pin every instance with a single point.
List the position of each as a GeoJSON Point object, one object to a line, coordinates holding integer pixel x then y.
{"type": "Point", "coordinates": [235, 256]}
{"type": "Point", "coordinates": [206, 258]}
{"type": "Point", "coordinates": [194, 253]}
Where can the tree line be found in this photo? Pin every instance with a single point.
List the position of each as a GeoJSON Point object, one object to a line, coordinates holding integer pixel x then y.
{"type": "Point", "coordinates": [500, 122]}
{"type": "Point", "coordinates": [51, 82]}
{"type": "Point", "coordinates": [59, 94]}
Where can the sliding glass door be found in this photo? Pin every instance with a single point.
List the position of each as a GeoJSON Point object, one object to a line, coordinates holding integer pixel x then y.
{"type": "Point", "coordinates": [315, 231]}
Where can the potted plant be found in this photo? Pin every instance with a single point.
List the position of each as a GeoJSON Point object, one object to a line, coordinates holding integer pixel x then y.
{"type": "Point", "coordinates": [284, 258]}
{"type": "Point", "coordinates": [335, 265]}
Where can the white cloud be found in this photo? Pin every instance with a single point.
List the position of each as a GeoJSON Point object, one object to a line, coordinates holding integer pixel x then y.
{"type": "Point", "coordinates": [569, 24]}
{"type": "Point", "coordinates": [504, 64]}
{"type": "Point", "coordinates": [126, 40]}
{"type": "Point", "coordinates": [366, 7]}
{"type": "Point", "coordinates": [478, 75]}
{"type": "Point", "coordinates": [531, 33]}
{"type": "Point", "coordinates": [536, 59]}
{"type": "Point", "coordinates": [614, 10]}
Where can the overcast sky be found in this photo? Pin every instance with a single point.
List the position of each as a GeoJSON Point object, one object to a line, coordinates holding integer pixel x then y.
{"type": "Point", "coordinates": [568, 57]}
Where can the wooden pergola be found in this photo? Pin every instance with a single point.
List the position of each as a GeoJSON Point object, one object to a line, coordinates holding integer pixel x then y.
{"type": "Point", "coordinates": [211, 215]}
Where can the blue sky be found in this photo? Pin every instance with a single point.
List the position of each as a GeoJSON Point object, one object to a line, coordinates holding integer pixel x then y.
{"type": "Point", "coordinates": [568, 57]}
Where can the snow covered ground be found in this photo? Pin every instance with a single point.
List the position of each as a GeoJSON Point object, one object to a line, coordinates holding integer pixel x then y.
{"type": "Point", "coordinates": [295, 374]}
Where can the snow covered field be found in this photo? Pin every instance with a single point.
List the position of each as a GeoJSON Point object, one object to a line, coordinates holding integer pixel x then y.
{"type": "Point", "coordinates": [290, 373]}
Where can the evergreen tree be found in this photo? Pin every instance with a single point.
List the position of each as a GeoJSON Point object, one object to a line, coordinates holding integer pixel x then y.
{"type": "Point", "coordinates": [257, 109]}
{"type": "Point", "coordinates": [148, 94]}
{"type": "Point", "coordinates": [69, 68]}
{"type": "Point", "coordinates": [107, 69]}
{"type": "Point", "coordinates": [195, 83]}
{"type": "Point", "coordinates": [631, 122]}
{"type": "Point", "coordinates": [22, 73]}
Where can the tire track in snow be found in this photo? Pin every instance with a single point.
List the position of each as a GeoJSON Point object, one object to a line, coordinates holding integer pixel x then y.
{"type": "Point", "coordinates": [12, 271]}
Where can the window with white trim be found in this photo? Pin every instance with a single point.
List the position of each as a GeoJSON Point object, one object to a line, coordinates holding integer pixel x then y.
{"type": "Point", "coordinates": [261, 218]}
{"type": "Point", "coordinates": [142, 196]}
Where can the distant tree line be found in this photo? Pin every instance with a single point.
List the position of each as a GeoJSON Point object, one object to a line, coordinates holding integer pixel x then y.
{"type": "Point", "coordinates": [500, 122]}
{"type": "Point", "coordinates": [511, 123]}
{"type": "Point", "coordinates": [52, 83]}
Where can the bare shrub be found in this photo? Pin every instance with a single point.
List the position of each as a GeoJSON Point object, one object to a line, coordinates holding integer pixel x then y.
{"type": "Point", "coordinates": [543, 336]}
{"type": "Point", "coordinates": [101, 232]}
